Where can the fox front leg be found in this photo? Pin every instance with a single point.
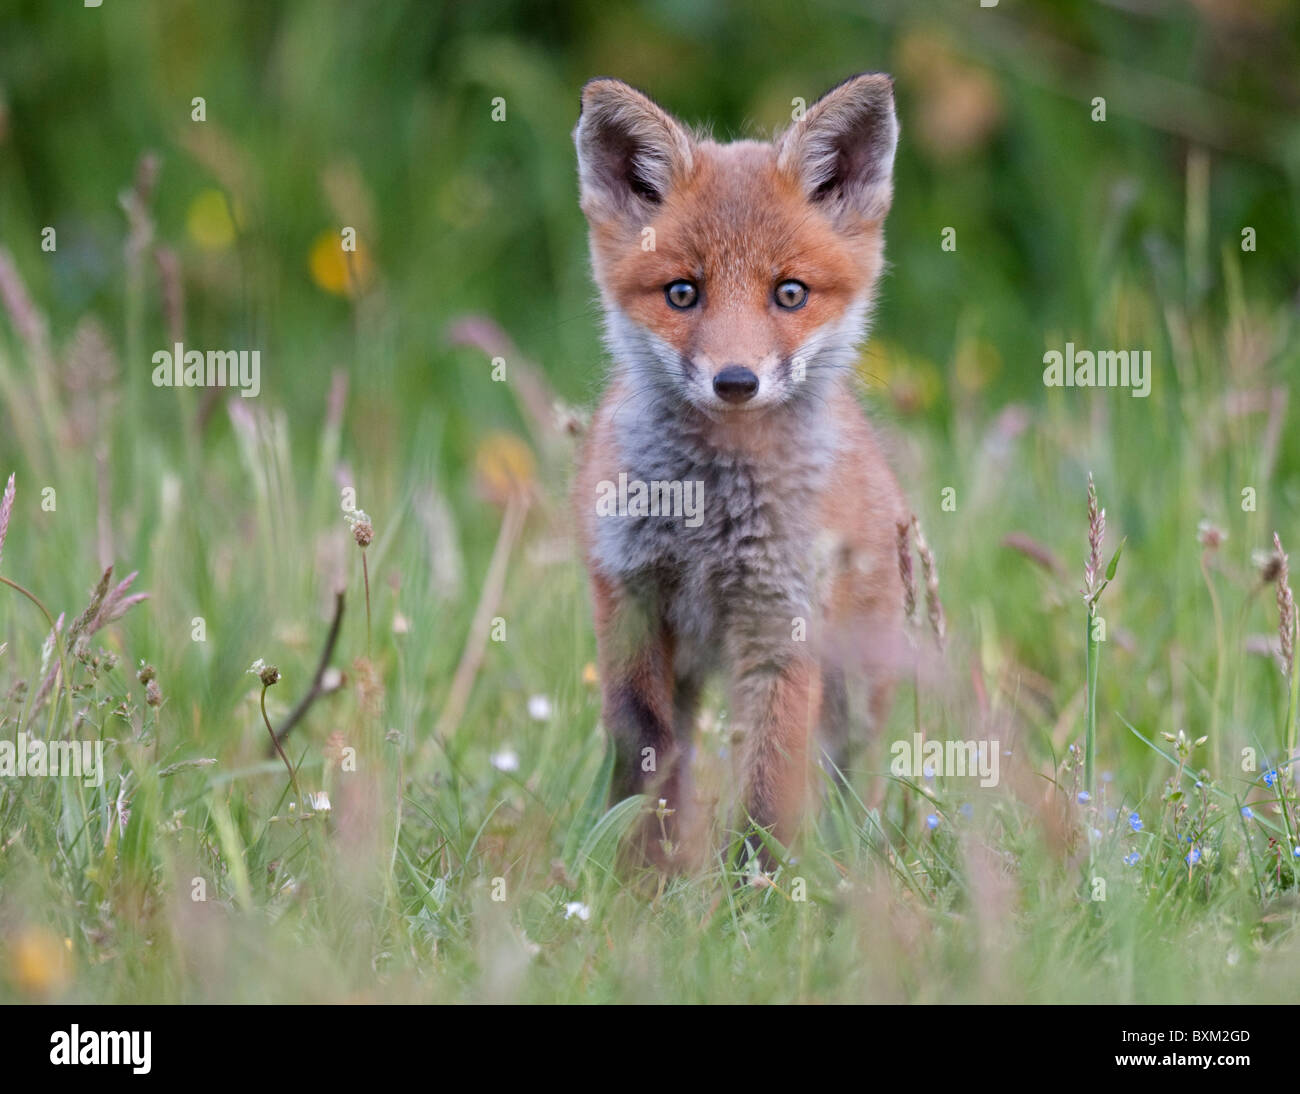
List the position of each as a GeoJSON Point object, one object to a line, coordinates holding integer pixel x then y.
{"type": "Point", "coordinates": [638, 710]}
{"type": "Point", "coordinates": [779, 706]}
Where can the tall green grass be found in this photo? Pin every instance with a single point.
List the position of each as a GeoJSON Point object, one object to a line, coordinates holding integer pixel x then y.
{"type": "Point", "coordinates": [468, 853]}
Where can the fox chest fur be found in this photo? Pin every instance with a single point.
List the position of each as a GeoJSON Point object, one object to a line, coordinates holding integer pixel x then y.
{"type": "Point", "coordinates": [742, 563]}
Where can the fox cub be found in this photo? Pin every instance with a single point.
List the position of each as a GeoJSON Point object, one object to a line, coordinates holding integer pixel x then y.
{"type": "Point", "coordinates": [734, 509]}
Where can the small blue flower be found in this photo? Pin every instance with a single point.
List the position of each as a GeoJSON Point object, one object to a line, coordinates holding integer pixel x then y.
{"type": "Point", "coordinates": [1247, 812]}
{"type": "Point", "coordinates": [927, 772]}
{"type": "Point", "coordinates": [1135, 822]}
{"type": "Point", "coordinates": [1199, 784]}
{"type": "Point", "coordinates": [1131, 858]}
{"type": "Point", "coordinates": [967, 810]}
{"type": "Point", "coordinates": [1107, 776]}
{"type": "Point", "coordinates": [1084, 797]}
{"type": "Point", "coordinates": [932, 821]}
{"type": "Point", "coordinates": [1094, 834]}
{"type": "Point", "coordinates": [1193, 856]}
{"type": "Point", "coordinates": [1270, 777]}
{"type": "Point", "coordinates": [1297, 852]}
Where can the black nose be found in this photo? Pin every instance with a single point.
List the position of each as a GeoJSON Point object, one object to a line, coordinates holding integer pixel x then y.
{"type": "Point", "coordinates": [735, 383]}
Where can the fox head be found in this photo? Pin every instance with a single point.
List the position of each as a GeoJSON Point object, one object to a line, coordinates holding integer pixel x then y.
{"type": "Point", "coordinates": [736, 276]}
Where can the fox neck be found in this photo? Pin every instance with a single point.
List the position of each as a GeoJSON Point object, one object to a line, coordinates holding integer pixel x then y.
{"type": "Point", "coordinates": [662, 436]}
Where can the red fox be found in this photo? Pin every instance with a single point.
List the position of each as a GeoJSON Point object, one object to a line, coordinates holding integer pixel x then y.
{"type": "Point", "coordinates": [734, 508]}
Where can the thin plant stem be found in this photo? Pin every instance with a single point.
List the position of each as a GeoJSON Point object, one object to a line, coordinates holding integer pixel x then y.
{"type": "Point", "coordinates": [365, 573]}
{"type": "Point", "coordinates": [1090, 721]}
{"type": "Point", "coordinates": [481, 625]}
{"type": "Point", "coordinates": [293, 777]}
{"type": "Point", "coordinates": [54, 630]}
{"type": "Point", "coordinates": [1293, 702]}
{"type": "Point", "coordinates": [1219, 657]}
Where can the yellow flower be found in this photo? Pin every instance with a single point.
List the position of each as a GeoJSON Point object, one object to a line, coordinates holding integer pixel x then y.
{"type": "Point", "coordinates": [589, 675]}
{"type": "Point", "coordinates": [39, 965]}
{"type": "Point", "coordinates": [505, 467]}
{"type": "Point", "coordinates": [209, 220]}
{"type": "Point", "coordinates": [339, 272]}
{"type": "Point", "coordinates": [912, 384]}
{"type": "Point", "coordinates": [977, 363]}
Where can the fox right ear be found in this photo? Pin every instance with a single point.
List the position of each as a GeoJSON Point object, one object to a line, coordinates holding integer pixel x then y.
{"type": "Point", "coordinates": [630, 152]}
{"type": "Point", "coordinates": [842, 149]}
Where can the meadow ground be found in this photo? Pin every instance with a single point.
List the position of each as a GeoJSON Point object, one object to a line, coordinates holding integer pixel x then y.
{"type": "Point", "coordinates": [466, 852]}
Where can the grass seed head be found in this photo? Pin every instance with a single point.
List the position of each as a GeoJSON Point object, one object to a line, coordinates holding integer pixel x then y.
{"type": "Point", "coordinates": [1096, 536]}
{"type": "Point", "coordinates": [930, 571]}
{"type": "Point", "coordinates": [268, 674]}
{"type": "Point", "coordinates": [1210, 536]}
{"type": "Point", "coordinates": [362, 530]}
{"type": "Point", "coordinates": [905, 570]}
{"type": "Point", "coordinates": [6, 510]}
{"type": "Point", "coordinates": [1285, 608]}
{"type": "Point", "coordinates": [1270, 564]}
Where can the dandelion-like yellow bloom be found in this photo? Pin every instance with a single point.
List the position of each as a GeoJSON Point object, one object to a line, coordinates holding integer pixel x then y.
{"type": "Point", "coordinates": [339, 272]}
{"type": "Point", "coordinates": [505, 466]}
{"type": "Point", "coordinates": [210, 222]}
{"type": "Point", "coordinates": [39, 963]}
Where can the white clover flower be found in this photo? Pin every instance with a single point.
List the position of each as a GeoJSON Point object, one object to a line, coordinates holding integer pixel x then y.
{"type": "Point", "coordinates": [577, 908]}
{"type": "Point", "coordinates": [505, 760]}
{"type": "Point", "coordinates": [539, 708]}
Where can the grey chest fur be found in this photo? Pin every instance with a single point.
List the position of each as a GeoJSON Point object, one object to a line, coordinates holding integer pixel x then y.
{"type": "Point", "coordinates": [740, 565]}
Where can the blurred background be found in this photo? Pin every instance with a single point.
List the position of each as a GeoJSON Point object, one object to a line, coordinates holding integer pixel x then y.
{"type": "Point", "coordinates": [1120, 174]}
{"type": "Point", "coordinates": [379, 116]}
{"type": "Point", "coordinates": [225, 232]}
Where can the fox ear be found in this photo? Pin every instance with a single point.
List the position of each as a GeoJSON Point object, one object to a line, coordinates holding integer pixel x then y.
{"type": "Point", "coordinates": [842, 149]}
{"type": "Point", "coordinates": [630, 152]}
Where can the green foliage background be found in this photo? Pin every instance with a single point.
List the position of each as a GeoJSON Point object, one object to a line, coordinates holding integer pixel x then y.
{"type": "Point", "coordinates": [1114, 234]}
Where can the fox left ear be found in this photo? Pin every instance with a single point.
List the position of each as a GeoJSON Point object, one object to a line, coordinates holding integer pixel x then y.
{"type": "Point", "coordinates": [631, 153]}
{"type": "Point", "coordinates": [842, 149]}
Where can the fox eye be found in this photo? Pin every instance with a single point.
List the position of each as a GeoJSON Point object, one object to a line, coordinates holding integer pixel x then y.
{"type": "Point", "coordinates": [681, 294]}
{"type": "Point", "coordinates": [791, 295]}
